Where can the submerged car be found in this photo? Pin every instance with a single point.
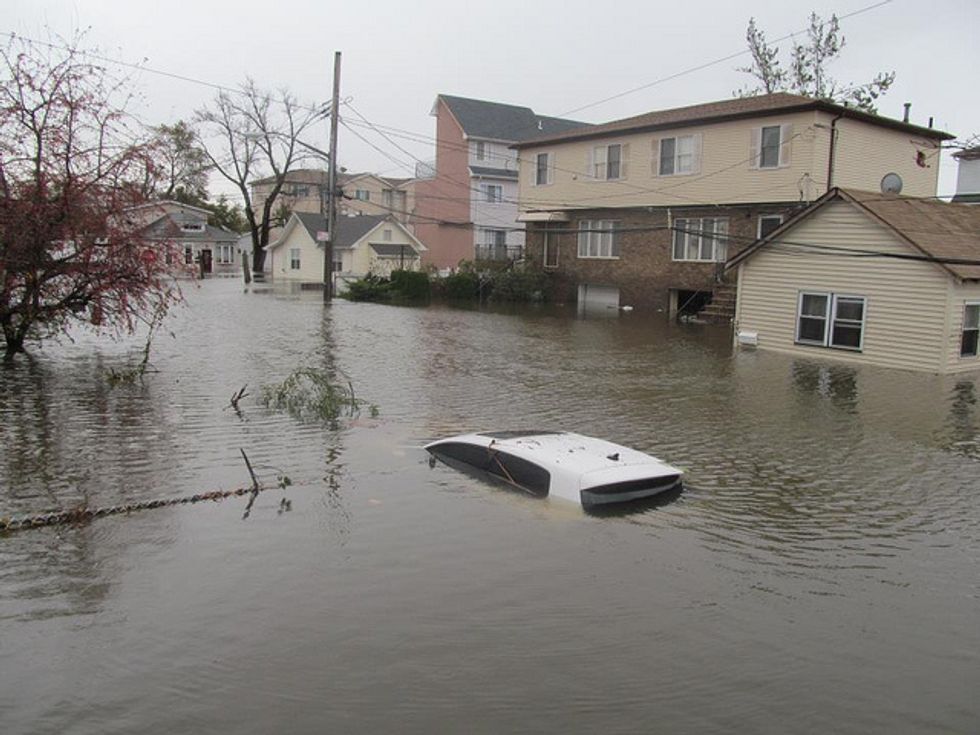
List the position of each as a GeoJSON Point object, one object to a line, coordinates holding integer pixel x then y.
{"type": "Point", "coordinates": [560, 464]}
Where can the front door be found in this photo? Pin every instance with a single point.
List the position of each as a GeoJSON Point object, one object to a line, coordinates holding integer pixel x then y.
{"type": "Point", "coordinates": [205, 262]}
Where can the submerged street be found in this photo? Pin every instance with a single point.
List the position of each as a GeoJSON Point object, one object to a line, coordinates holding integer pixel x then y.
{"type": "Point", "coordinates": [818, 572]}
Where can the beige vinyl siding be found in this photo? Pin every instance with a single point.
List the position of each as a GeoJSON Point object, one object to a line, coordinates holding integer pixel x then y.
{"type": "Point", "coordinates": [865, 153]}
{"type": "Point", "coordinates": [959, 294]}
{"type": "Point", "coordinates": [905, 301]}
{"type": "Point", "coordinates": [311, 259]}
{"type": "Point", "coordinates": [363, 259]}
{"type": "Point", "coordinates": [725, 175]}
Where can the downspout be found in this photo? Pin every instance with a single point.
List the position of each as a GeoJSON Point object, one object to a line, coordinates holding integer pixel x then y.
{"type": "Point", "coordinates": [833, 150]}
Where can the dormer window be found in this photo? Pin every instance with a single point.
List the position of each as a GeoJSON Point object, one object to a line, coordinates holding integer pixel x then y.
{"type": "Point", "coordinates": [192, 226]}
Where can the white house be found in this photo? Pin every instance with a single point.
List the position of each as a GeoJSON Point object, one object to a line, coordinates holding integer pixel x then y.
{"type": "Point", "coordinates": [363, 244]}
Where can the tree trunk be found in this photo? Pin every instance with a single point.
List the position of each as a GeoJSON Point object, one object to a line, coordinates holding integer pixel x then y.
{"type": "Point", "coordinates": [245, 269]}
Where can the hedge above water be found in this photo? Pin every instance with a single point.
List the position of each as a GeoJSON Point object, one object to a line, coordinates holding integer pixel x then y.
{"type": "Point", "coordinates": [465, 284]}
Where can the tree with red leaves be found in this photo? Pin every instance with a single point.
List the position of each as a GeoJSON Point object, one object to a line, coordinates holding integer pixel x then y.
{"type": "Point", "coordinates": [71, 164]}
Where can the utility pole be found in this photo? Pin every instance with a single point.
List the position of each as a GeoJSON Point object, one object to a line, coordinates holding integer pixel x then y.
{"type": "Point", "coordinates": [332, 183]}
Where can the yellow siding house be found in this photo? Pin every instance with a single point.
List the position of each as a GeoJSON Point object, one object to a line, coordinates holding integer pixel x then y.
{"type": "Point", "coordinates": [867, 278]}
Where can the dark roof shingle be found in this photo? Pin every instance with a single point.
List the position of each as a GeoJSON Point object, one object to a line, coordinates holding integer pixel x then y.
{"type": "Point", "coordinates": [498, 121]}
{"type": "Point", "coordinates": [349, 229]}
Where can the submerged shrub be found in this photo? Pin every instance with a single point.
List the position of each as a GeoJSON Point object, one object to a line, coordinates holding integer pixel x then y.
{"type": "Point", "coordinates": [514, 285]}
{"type": "Point", "coordinates": [314, 394]}
{"type": "Point", "coordinates": [461, 285]}
{"type": "Point", "coordinates": [369, 288]}
{"type": "Point", "coordinates": [410, 285]}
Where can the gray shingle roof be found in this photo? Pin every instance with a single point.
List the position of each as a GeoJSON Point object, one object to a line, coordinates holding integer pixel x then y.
{"type": "Point", "coordinates": [349, 229]}
{"type": "Point", "coordinates": [497, 121]}
{"type": "Point", "coordinates": [394, 250]}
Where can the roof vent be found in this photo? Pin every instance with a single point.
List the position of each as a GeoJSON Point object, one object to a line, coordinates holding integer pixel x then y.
{"type": "Point", "coordinates": [540, 125]}
{"type": "Point", "coordinates": [905, 117]}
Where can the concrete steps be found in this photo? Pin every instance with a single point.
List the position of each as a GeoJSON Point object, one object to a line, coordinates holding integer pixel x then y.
{"type": "Point", "coordinates": [721, 309]}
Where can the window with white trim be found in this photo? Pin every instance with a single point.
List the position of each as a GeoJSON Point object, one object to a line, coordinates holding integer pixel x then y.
{"type": "Point", "coordinates": [294, 259]}
{"type": "Point", "coordinates": [481, 150]}
{"type": "Point", "coordinates": [771, 146]}
{"type": "Point", "coordinates": [971, 330]}
{"type": "Point", "coordinates": [702, 239]}
{"type": "Point", "coordinates": [362, 194]}
{"type": "Point", "coordinates": [598, 238]}
{"type": "Point", "coordinates": [609, 161]}
{"type": "Point", "coordinates": [192, 226]}
{"type": "Point", "coordinates": [226, 254]}
{"type": "Point", "coordinates": [188, 255]}
{"type": "Point", "coordinates": [387, 198]}
{"type": "Point", "coordinates": [830, 320]}
{"type": "Point", "coordinates": [678, 156]}
{"type": "Point", "coordinates": [550, 247]}
{"type": "Point", "coordinates": [768, 223]}
{"type": "Point", "coordinates": [542, 169]}
{"type": "Point", "coordinates": [492, 193]}
{"type": "Point", "coordinates": [386, 235]}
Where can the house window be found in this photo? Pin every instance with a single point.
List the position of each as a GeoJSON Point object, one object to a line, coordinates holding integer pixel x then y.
{"type": "Point", "coordinates": [702, 239]}
{"type": "Point", "coordinates": [481, 150]}
{"type": "Point", "coordinates": [192, 226]}
{"type": "Point", "coordinates": [542, 169]}
{"type": "Point", "coordinates": [550, 246]}
{"type": "Point", "coordinates": [830, 320]}
{"type": "Point", "coordinates": [678, 155]}
{"type": "Point", "coordinates": [607, 162]}
{"type": "Point", "coordinates": [362, 194]}
{"type": "Point", "coordinates": [386, 235]}
{"type": "Point", "coordinates": [386, 198]}
{"type": "Point", "coordinates": [770, 146]}
{"type": "Point", "coordinates": [971, 330]}
{"type": "Point", "coordinates": [188, 255]}
{"type": "Point", "coordinates": [493, 193]}
{"type": "Point", "coordinates": [598, 238]}
{"type": "Point", "coordinates": [294, 259]}
{"type": "Point", "coordinates": [226, 254]}
{"type": "Point", "coordinates": [768, 223]}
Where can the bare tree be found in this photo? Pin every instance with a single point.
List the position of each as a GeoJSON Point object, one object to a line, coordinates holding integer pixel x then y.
{"type": "Point", "coordinates": [807, 74]}
{"type": "Point", "coordinates": [254, 134]}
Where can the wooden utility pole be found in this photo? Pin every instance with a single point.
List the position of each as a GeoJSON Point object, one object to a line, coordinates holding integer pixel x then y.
{"type": "Point", "coordinates": [332, 183]}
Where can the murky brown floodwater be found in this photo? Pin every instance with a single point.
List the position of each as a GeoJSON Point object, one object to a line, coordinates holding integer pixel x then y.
{"type": "Point", "coordinates": [819, 573]}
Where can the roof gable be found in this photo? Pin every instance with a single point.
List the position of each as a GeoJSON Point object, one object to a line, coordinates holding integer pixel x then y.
{"type": "Point", "coordinates": [945, 234]}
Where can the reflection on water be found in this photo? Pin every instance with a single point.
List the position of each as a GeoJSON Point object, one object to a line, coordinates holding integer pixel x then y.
{"type": "Point", "coordinates": [821, 558]}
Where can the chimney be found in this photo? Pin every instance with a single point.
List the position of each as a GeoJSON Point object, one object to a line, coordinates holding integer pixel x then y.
{"type": "Point", "coordinates": [930, 122]}
{"type": "Point", "coordinates": [905, 117]}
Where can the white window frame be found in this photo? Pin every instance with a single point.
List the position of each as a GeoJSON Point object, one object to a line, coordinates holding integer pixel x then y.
{"type": "Point", "coordinates": [549, 165]}
{"type": "Point", "coordinates": [188, 254]}
{"type": "Point", "coordinates": [686, 229]}
{"type": "Point", "coordinates": [192, 226]}
{"type": "Point", "coordinates": [226, 254]}
{"type": "Point", "coordinates": [693, 156]}
{"type": "Point", "coordinates": [964, 330]}
{"type": "Point", "coordinates": [599, 169]}
{"type": "Point", "coordinates": [831, 319]}
{"type": "Point", "coordinates": [386, 235]}
{"type": "Point", "coordinates": [362, 195]}
{"type": "Point", "coordinates": [758, 230]}
{"type": "Point", "coordinates": [388, 198]}
{"type": "Point", "coordinates": [598, 239]}
{"type": "Point", "coordinates": [549, 243]}
{"type": "Point", "coordinates": [295, 259]}
{"type": "Point", "coordinates": [480, 154]}
{"type": "Point", "coordinates": [492, 193]}
{"type": "Point", "coordinates": [783, 147]}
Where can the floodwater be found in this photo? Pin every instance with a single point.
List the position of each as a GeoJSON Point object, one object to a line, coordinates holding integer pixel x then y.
{"type": "Point", "coordinates": [819, 573]}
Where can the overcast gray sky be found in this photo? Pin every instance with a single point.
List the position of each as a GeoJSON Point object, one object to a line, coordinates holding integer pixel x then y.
{"type": "Point", "coordinates": [556, 56]}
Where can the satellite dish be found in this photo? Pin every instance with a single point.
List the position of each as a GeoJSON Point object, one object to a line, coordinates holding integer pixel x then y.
{"type": "Point", "coordinates": [891, 184]}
